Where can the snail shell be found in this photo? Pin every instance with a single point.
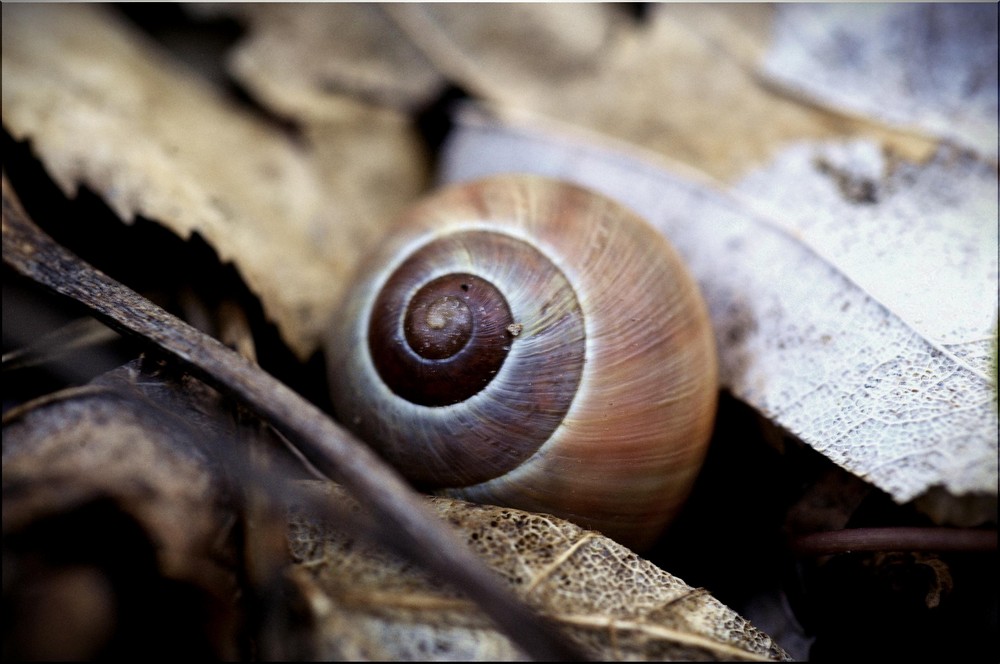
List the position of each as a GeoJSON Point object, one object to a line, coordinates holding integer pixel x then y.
{"type": "Point", "coordinates": [525, 342]}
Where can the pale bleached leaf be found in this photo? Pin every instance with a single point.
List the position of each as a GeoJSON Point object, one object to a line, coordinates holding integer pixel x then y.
{"type": "Point", "coordinates": [798, 339]}
{"type": "Point", "coordinates": [928, 66]}
{"type": "Point", "coordinates": [919, 238]}
{"type": "Point", "coordinates": [617, 606]}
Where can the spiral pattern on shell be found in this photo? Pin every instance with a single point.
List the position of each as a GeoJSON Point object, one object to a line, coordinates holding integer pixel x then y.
{"type": "Point", "coordinates": [525, 342]}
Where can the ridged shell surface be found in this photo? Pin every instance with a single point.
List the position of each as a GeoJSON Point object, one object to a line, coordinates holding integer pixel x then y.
{"type": "Point", "coordinates": [601, 407]}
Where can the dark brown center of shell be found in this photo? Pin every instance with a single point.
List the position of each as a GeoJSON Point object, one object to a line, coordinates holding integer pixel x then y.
{"type": "Point", "coordinates": [456, 339]}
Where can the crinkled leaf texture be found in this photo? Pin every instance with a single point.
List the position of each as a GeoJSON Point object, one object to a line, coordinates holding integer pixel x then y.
{"type": "Point", "coordinates": [369, 605]}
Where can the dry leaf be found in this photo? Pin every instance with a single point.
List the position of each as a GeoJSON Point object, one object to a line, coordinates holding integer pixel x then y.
{"type": "Point", "coordinates": [346, 76]}
{"type": "Point", "coordinates": [932, 67]}
{"type": "Point", "coordinates": [678, 85]}
{"type": "Point", "coordinates": [514, 53]}
{"type": "Point", "coordinates": [798, 339]}
{"type": "Point", "coordinates": [368, 605]}
{"type": "Point", "coordinates": [920, 239]}
{"type": "Point", "coordinates": [316, 61]}
{"type": "Point", "coordinates": [103, 108]}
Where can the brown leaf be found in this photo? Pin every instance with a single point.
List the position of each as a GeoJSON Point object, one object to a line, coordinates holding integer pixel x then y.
{"type": "Point", "coordinates": [615, 605]}
{"type": "Point", "coordinates": [515, 53]}
{"type": "Point", "coordinates": [682, 85]}
{"type": "Point", "coordinates": [348, 77]}
{"type": "Point", "coordinates": [104, 108]}
{"type": "Point", "coordinates": [318, 61]}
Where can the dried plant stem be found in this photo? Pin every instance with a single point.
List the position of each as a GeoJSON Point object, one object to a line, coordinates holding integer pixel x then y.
{"type": "Point", "coordinates": [896, 539]}
{"type": "Point", "coordinates": [419, 534]}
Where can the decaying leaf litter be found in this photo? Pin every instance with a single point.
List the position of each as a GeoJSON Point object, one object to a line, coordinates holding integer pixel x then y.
{"type": "Point", "coordinates": [738, 152]}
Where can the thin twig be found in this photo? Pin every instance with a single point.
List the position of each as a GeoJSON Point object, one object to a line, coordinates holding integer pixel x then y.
{"type": "Point", "coordinates": [336, 453]}
{"type": "Point", "coordinates": [896, 539]}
